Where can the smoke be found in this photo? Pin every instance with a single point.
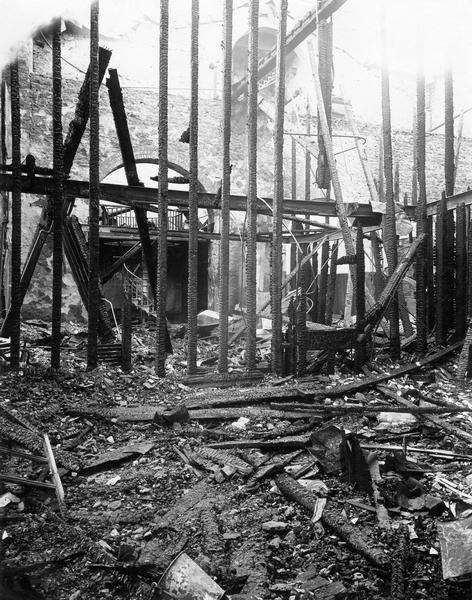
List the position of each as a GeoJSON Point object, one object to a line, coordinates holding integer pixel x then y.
{"type": "Point", "coordinates": [21, 18]}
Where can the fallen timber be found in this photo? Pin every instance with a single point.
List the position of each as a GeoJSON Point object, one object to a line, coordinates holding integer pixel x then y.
{"type": "Point", "coordinates": [307, 394]}
{"type": "Point", "coordinates": [452, 429]}
{"type": "Point", "coordinates": [366, 409]}
{"type": "Point", "coordinates": [292, 490]}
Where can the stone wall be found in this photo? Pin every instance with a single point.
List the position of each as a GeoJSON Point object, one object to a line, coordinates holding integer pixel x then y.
{"type": "Point", "coordinates": [142, 109]}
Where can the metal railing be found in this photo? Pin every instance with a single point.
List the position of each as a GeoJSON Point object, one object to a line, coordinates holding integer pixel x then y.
{"type": "Point", "coordinates": [116, 216]}
{"type": "Point", "coordinates": [138, 290]}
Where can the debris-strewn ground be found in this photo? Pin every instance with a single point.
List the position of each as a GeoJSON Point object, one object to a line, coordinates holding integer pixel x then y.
{"type": "Point", "coordinates": [144, 480]}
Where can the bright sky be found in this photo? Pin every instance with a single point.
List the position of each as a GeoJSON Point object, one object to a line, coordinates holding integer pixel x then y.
{"type": "Point", "coordinates": [440, 26]}
{"type": "Point", "coordinates": [444, 25]}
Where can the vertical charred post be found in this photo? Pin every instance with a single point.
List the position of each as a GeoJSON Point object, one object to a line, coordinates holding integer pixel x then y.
{"type": "Point", "coordinates": [16, 217]}
{"type": "Point", "coordinates": [461, 273]}
{"type": "Point", "coordinates": [276, 275]}
{"type": "Point", "coordinates": [161, 297]}
{"type": "Point", "coordinates": [251, 253]}
{"type": "Point", "coordinates": [225, 187]}
{"type": "Point", "coordinates": [421, 225]}
{"type": "Point", "coordinates": [58, 197]}
{"type": "Point", "coordinates": [192, 304]}
{"type": "Point", "coordinates": [390, 236]}
{"type": "Point", "coordinates": [441, 274]}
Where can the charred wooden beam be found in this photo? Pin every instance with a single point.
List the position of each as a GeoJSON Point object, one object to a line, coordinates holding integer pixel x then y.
{"type": "Point", "coordinates": [390, 236]}
{"type": "Point", "coordinates": [124, 139]}
{"type": "Point", "coordinates": [420, 183]}
{"type": "Point", "coordinates": [441, 272]}
{"type": "Point", "coordinates": [292, 490]}
{"type": "Point", "coordinates": [448, 132]}
{"type": "Point", "coordinates": [146, 198]}
{"type": "Point", "coordinates": [331, 288]}
{"type": "Point", "coordinates": [276, 270]}
{"type": "Point", "coordinates": [299, 33]}
{"type": "Point", "coordinates": [325, 69]}
{"type": "Point", "coordinates": [119, 262]}
{"type": "Point", "coordinates": [4, 204]}
{"type": "Point", "coordinates": [16, 298]}
{"type": "Point", "coordinates": [71, 144]}
{"type": "Point", "coordinates": [360, 350]}
{"type": "Point", "coordinates": [251, 246]}
{"type": "Point", "coordinates": [161, 297]}
{"type": "Point", "coordinates": [225, 187]}
{"type": "Point", "coordinates": [94, 201]}
{"type": "Point", "coordinates": [58, 198]}
{"type": "Point", "coordinates": [192, 293]}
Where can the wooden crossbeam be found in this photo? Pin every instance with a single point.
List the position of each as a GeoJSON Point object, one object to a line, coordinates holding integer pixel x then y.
{"type": "Point", "coordinates": [147, 198]}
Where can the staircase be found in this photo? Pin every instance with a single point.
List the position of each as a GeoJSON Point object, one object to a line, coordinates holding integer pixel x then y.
{"type": "Point", "coordinates": [76, 251]}
{"type": "Point", "coordinates": [139, 292]}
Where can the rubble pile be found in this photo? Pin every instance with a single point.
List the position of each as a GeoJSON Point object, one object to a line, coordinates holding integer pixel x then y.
{"type": "Point", "coordinates": [330, 486]}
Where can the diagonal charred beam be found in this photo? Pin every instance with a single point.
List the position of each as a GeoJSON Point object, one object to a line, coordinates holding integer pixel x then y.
{"type": "Point", "coordinates": [116, 266]}
{"type": "Point", "coordinates": [299, 33]}
{"type": "Point", "coordinates": [122, 130]}
{"type": "Point", "coordinates": [71, 144]}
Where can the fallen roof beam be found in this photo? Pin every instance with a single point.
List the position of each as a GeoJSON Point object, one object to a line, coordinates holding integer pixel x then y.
{"type": "Point", "coordinates": [145, 197]}
{"type": "Point", "coordinates": [299, 33]}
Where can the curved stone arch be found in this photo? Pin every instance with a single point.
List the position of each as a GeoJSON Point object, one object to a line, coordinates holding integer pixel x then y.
{"type": "Point", "coordinates": [108, 169]}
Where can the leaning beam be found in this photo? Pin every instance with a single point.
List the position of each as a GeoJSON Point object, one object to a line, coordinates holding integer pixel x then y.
{"type": "Point", "coordinates": [299, 33]}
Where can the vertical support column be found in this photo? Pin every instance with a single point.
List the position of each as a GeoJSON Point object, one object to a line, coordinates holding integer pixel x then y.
{"type": "Point", "coordinates": [461, 273]}
{"type": "Point", "coordinates": [448, 132]}
{"type": "Point", "coordinates": [379, 279]}
{"type": "Point", "coordinates": [58, 197]}
{"type": "Point", "coordinates": [315, 296]}
{"type": "Point", "coordinates": [420, 180]}
{"type": "Point", "coordinates": [441, 275]}
{"type": "Point", "coordinates": [276, 275]}
{"type": "Point", "coordinates": [126, 331]}
{"type": "Point", "coordinates": [301, 324]}
{"type": "Point", "coordinates": [430, 288]}
{"type": "Point", "coordinates": [360, 349]}
{"type": "Point", "coordinates": [325, 69]}
{"type": "Point", "coordinates": [414, 177]}
{"type": "Point", "coordinates": [4, 208]}
{"type": "Point", "coordinates": [192, 305]}
{"type": "Point", "coordinates": [296, 226]}
{"type": "Point", "coordinates": [390, 236]}
{"type": "Point", "coordinates": [163, 190]}
{"type": "Point", "coordinates": [16, 217]}
{"type": "Point", "coordinates": [251, 253]}
{"type": "Point", "coordinates": [450, 266]}
{"type": "Point", "coordinates": [331, 291]}
{"type": "Point", "coordinates": [323, 286]}
{"type": "Point", "coordinates": [225, 187]}
{"type": "Point", "coordinates": [94, 200]}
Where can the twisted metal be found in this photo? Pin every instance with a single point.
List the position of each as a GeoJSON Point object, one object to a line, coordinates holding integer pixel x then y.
{"type": "Point", "coordinates": [58, 197]}
{"type": "Point", "coordinates": [163, 190]}
{"type": "Point", "coordinates": [192, 298]}
{"type": "Point", "coordinates": [276, 273]}
{"type": "Point", "coordinates": [15, 301]}
{"type": "Point", "coordinates": [94, 200]}
{"type": "Point", "coordinates": [251, 254]}
{"type": "Point", "coordinates": [225, 187]}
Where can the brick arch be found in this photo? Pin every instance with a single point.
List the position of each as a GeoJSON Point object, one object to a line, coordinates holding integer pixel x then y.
{"type": "Point", "coordinates": [109, 166]}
